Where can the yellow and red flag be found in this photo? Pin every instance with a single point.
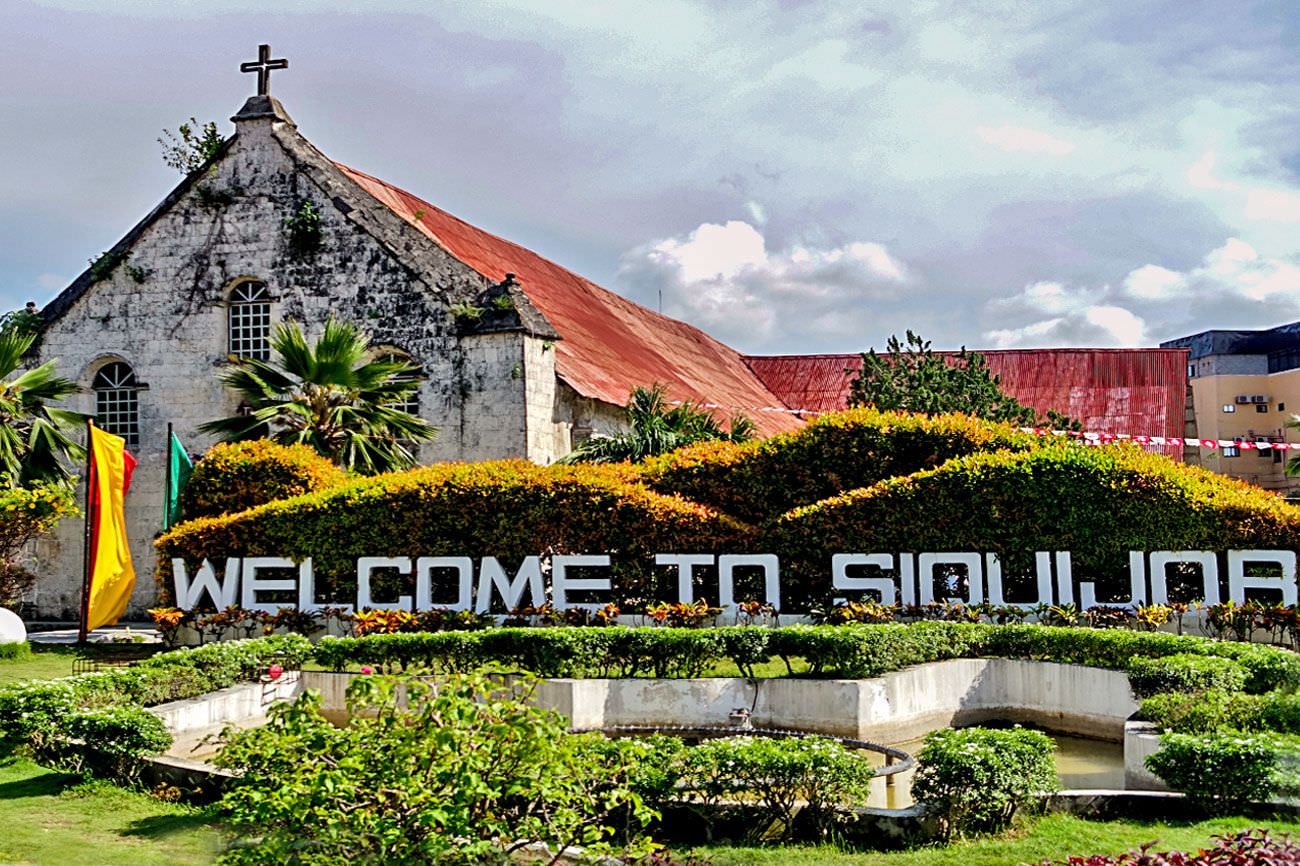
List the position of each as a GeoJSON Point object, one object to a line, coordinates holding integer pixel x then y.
{"type": "Point", "coordinates": [110, 576]}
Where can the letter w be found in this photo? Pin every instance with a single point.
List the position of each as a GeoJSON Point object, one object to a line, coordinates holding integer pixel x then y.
{"type": "Point", "coordinates": [189, 592]}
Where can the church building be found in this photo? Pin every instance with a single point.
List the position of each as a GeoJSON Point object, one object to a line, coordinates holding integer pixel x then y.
{"type": "Point", "coordinates": [518, 357]}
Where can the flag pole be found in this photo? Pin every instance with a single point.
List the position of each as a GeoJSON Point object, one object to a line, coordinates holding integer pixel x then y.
{"type": "Point", "coordinates": [82, 632]}
{"type": "Point", "coordinates": [167, 481]}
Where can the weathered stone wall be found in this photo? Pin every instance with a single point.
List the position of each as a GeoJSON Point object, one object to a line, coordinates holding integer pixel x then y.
{"type": "Point", "coordinates": [483, 391]}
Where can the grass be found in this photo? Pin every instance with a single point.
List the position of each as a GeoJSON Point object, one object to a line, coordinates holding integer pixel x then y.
{"type": "Point", "coordinates": [50, 661]}
{"type": "Point", "coordinates": [52, 818]}
{"type": "Point", "coordinates": [1050, 838]}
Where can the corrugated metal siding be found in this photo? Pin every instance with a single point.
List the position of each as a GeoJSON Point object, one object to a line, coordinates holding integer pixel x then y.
{"type": "Point", "coordinates": [609, 344]}
{"type": "Point", "coordinates": [1134, 391]}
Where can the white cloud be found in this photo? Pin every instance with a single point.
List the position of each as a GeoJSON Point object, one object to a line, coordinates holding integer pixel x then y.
{"type": "Point", "coordinates": [1272, 205]}
{"type": "Point", "coordinates": [1233, 286]}
{"type": "Point", "coordinates": [1201, 174]}
{"type": "Point", "coordinates": [1021, 140]}
{"type": "Point", "coordinates": [724, 279]}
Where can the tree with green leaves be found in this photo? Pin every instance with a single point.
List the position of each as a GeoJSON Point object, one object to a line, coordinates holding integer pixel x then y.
{"type": "Point", "coordinates": [910, 377]}
{"type": "Point", "coordinates": [329, 395]}
{"type": "Point", "coordinates": [655, 426]}
{"type": "Point", "coordinates": [35, 446]}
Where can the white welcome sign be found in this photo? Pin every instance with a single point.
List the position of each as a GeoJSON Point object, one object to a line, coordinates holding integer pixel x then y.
{"type": "Point", "coordinates": [461, 583]}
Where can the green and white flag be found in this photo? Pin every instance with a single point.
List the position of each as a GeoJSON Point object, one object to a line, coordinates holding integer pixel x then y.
{"type": "Point", "coordinates": [179, 468]}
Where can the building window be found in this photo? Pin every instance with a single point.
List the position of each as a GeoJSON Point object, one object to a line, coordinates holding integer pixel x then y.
{"type": "Point", "coordinates": [1261, 407]}
{"type": "Point", "coordinates": [1229, 408]}
{"type": "Point", "coordinates": [250, 321]}
{"type": "Point", "coordinates": [410, 404]}
{"type": "Point", "coordinates": [1231, 450]}
{"type": "Point", "coordinates": [1281, 407]}
{"type": "Point", "coordinates": [1191, 371]}
{"type": "Point", "coordinates": [117, 402]}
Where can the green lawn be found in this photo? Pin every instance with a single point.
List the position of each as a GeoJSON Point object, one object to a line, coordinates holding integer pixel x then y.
{"type": "Point", "coordinates": [49, 818]}
{"type": "Point", "coordinates": [1053, 837]}
{"type": "Point", "coordinates": [48, 661]}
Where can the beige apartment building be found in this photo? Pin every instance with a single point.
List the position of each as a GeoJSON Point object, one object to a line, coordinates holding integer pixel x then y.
{"type": "Point", "coordinates": [1243, 386]}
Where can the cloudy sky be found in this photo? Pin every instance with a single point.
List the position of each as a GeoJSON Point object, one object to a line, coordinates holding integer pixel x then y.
{"type": "Point", "coordinates": [792, 176]}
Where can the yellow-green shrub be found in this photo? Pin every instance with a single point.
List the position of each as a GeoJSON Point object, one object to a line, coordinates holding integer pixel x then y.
{"type": "Point", "coordinates": [506, 509]}
{"type": "Point", "coordinates": [759, 481]}
{"type": "Point", "coordinates": [1097, 503]}
{"type": "Point", "coordinates": [236, 476]}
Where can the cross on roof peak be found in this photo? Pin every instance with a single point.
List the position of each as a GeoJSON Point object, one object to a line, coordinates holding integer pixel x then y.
{"type": "Point", "coordinates": [263, 66]}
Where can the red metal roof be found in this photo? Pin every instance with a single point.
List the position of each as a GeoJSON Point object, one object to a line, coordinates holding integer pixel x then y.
{"type": "Point", "coordinates": [609, 344]}
{"type": "Point", "coordinates": [1135, 391]}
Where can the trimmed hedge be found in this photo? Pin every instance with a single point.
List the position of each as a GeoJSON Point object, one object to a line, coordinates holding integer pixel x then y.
{"type": "Point", "coordinates": [832, 651]}
{"type": "Point", "coordinates": [104, 712]}
{"type": "Point", "coordinates": [1222, 772]}
{"type": "Point", "coordinates": [508, 509]}
{"type": "Point", "coordinates": [1212, 711]}
{"type": "Point", "coordinates": [1184, 673]}
{"type": "Point", "coordinates": [1098, 503]}
{"type": "Point", "coordinates": [236, 476]}
{"type": "Point", "coordinates": [759, 481]}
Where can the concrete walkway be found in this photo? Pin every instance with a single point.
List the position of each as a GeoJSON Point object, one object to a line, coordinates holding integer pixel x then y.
{"type": "Point", "coordinates": [126, 634]}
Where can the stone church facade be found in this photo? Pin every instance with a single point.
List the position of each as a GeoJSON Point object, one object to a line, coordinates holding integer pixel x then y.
{"type": "Point", "coordinates": [517, 356]}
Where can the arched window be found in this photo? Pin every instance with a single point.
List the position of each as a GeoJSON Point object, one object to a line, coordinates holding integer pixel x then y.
{"type": "Point", "coordinates": [117, 402]}
{"type": "Point", "coordinates": [250, 321]}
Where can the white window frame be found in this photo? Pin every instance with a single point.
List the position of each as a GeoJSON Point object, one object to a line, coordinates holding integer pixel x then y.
{"type": "Point", "coordinates": [117, 401]}
{"type": "Point", "coordinates": [248, 321]}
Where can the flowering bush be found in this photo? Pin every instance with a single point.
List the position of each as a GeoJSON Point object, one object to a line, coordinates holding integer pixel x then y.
{"type": "Point", "coordinates": [236, 476]}
{"type": "Point", "coordinates": [26, 513]}
{"type": "Point", "coordinates": [1098, 503]}
{"type": "Point", "coordinates": [974, 780]}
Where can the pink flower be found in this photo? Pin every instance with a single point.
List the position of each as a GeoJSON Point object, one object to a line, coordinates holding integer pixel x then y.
{"type": "Point", "coordinates": [367, 669]}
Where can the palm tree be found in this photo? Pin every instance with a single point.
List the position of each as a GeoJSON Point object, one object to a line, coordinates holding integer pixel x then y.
{"type": "Point", "coordinates": [330, 396]}
{"type": "Point", "coordinates": [656, 427]}
{"type": "Point", "coordinates": [34, 443]}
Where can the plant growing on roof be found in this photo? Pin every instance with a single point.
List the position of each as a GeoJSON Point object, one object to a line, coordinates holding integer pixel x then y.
{"type": "Point", "coordinates": [330, 396]}
{"type": "Point", "coordinates": [304, 228]}
{"type": "Point", "coordinates": [655, 427]}
{"type": "Point", "coordinates": [191, 145]}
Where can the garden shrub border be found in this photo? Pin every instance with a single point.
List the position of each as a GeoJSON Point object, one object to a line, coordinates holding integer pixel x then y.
{"type": "Point", "coordinates": [96, 722]}
{"type": "Point", "coordinates": [852, 651]}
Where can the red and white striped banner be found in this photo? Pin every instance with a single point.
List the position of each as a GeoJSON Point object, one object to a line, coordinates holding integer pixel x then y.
{"type": "Point", "coordinates": [1168, 441]}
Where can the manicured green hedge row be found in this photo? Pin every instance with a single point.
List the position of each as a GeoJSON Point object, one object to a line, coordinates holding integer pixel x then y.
{"type": "Point", "coordinates": [1184, 673]}
{"type": "Point", "coordinates": [1097, 503]}
{"type": "Point", "coordinates": [759, 481]}
{"type": "Point", "coordinates": [1212, 711]}
{"type": "Point", "coordinates": [508, 509]}
{"type": "Point", "coordinates": [838, 651]}
{"type": "Point", "coordinates": [104, 710]}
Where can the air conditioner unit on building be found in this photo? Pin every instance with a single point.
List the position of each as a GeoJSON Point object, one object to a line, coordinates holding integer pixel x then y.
{"type": "Point", "coordinates": [1243, 398]}
{"type": "Point", "coordinates": [1259, 398]}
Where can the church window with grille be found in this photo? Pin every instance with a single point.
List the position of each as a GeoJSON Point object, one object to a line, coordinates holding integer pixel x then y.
{"type": "Point", "coordinates": [411, 402]}
{"type": "Point", "coordinates": [250, 321]}
{"type": "Point", "coordinates": [117, 402]}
